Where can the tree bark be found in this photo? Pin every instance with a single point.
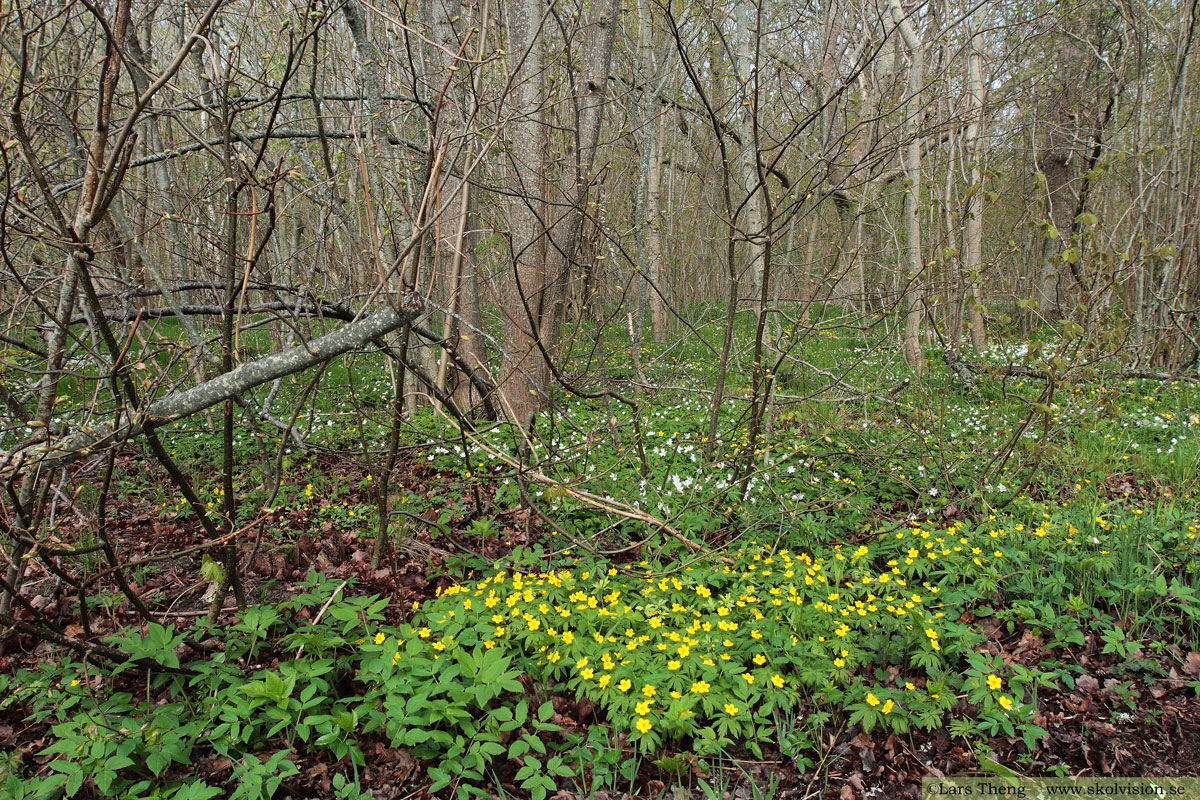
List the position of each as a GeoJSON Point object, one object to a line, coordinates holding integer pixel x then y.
{"type": "Point", "coordinates": [915, 291]}
{"type": "Point", "coordinates": [974, 212]}
{"type": "Point", "coordinates": [523, 379]}
{"type": "Point", "coordinates": [748, 33]}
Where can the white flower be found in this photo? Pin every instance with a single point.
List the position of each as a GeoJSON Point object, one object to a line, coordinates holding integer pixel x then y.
{"type": "Point", "coordinates": [933, 492]}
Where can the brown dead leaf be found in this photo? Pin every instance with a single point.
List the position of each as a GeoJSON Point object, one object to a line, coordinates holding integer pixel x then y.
{"type": "Point", "coordinates": [861, 741]}
{"type": "Point", "coordinates": [1191, 664]}
{"type": "Point", "coordinates": [1077, 705]}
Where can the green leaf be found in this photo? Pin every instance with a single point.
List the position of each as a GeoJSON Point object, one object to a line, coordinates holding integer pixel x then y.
{"type": "Point", "coordinates": [996, 768]}
{"type": "Point", "coordinates": [441, 779]}
{"type": "Point", "coordinates": [74, 782]}
{"type": "Point", "coordinates": [466, 663]}
{"type": "Point", "coordinates": [211, 571]}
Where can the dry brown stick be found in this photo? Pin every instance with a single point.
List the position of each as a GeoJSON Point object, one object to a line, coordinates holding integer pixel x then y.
{"type": "Point", "coordinates": [321, 613]}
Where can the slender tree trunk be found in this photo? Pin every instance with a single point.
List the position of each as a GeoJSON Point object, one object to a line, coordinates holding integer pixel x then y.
{"type": "Point", "coordinates": [915, 293]}
{"type": "Point", "coordinates": [748, 33]}
{"type": "Point", "coordinates": [523, 383]}
{"type": "Point", "coordinates": [975, 196]}
{"type": "Point", "coordinates": [654, 250]}
{"type": "Point", "coordinates": [647, 212]}
{"type": "Point", "coordinates": [808, 268]}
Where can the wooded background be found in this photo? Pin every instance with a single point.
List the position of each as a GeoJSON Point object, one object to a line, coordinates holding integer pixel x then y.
{"type": "Point", "coordinates": [460, 183]}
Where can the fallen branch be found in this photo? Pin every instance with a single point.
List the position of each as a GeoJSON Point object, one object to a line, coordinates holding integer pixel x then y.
{"type": "Point", "coordinates": [180, 404]}
{"type": "Point", "coordinates": [1023, 371]}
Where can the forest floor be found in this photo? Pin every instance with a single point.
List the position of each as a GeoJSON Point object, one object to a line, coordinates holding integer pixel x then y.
{"type": "Point", "coordinates": [1063, 640]}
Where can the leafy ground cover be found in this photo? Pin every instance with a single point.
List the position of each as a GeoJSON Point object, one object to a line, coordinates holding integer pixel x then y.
{"type": "Point", "coordinates": [892, 583]}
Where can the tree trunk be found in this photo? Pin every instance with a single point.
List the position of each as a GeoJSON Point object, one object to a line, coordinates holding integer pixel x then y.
{"type": "Point", "coordinates": [523, 380]}
{"type": "Point", "coordinates": [590, 99]}
{"type": "Point", "coordinates": [748, 33]}
{"type": "Point", "coordinates": [974, 211]}
{"type": "Point", "coordinates": [647, 212]}
{"type": "Point", "coordinates": [915, 291]}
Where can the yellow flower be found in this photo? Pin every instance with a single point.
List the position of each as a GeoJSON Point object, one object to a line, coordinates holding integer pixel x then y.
{"type": "Point", "coordinates": [760, 659]}
{"type": "Point", "coordinates": [380, 638]}
{"type": "Point", "coordinates": [75, 682]}
{"type": "Point", "coordinates": [643, 725]}
{"type": "Point", "coordinates": [568, 637]}
{"type": "Point", "coordinates": [777, 680]}
{"type": "Point", "coordinates": [887, 707]}
{"type": "Point", "coordinates": [604, 679]}
{"type": "Point", "coordinates": [872, 700]}
{"type": "Point", "coordinates": [673, 665]}
{"type": "Point", "coordinates": [648, 690]}
{"type": "Point", "coordinates": [587, 674]}
{"type": "Point", "coordinates": [731, 709]}
{"type": "Point", "coordinates": [994, 682]}
{"type": "Point", "coordinates": [423, 633]}
{"type": "Point", "coordinates": [396, 659]}
{"type": "Point", "coordinates": [643, 708]}
{"type": "Point", "coordinates": [700, 687]}
{"type": "Point", "coordinates": [1005, 702]}
{"type": "Point", "coordinates": [624, 685]}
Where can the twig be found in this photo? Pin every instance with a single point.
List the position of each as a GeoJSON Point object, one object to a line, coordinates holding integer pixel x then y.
{"type": "Point", "coordinates": [317, 618]}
